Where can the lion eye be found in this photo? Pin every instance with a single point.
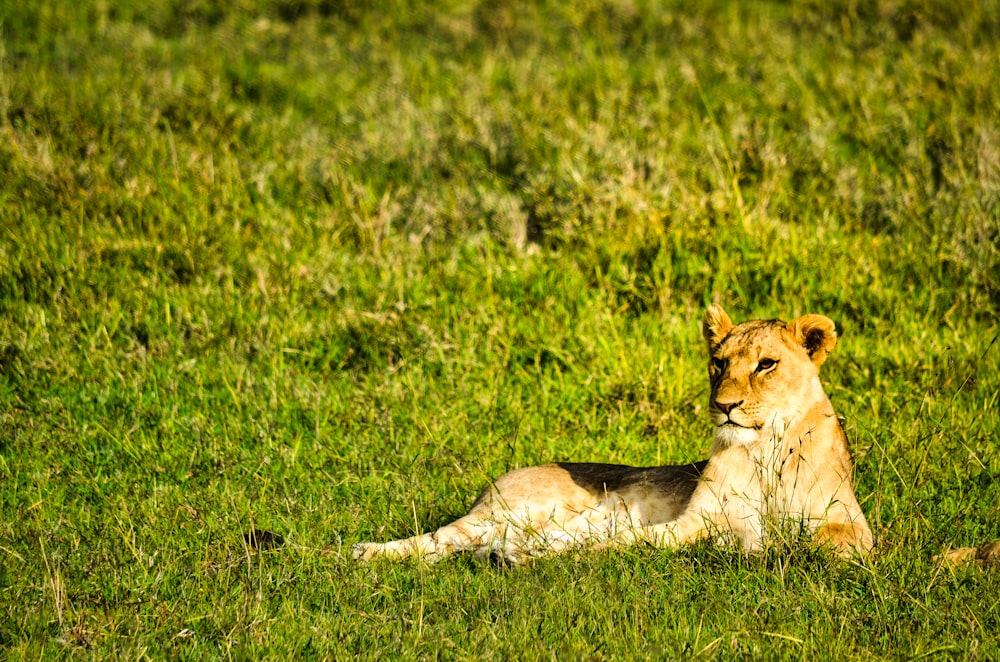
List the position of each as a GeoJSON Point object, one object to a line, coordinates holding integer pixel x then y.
{"type": "Point", "coordinates": [718, 364]}
{"type": "Point", "coordinates": [766, 364]}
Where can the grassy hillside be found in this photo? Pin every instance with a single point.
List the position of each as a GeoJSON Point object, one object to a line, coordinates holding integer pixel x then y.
{"type": "Point", "coordinates": [321, 270]}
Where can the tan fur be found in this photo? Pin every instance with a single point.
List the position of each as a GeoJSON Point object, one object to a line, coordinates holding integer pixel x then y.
{"type": "Point", "coordinates": [984, 554]}
{"type": "Point", "coordinates": [779, 465]}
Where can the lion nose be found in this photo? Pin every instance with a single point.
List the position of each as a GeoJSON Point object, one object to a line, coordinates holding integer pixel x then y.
{"type": "Point", "coordinates": [727, 407]}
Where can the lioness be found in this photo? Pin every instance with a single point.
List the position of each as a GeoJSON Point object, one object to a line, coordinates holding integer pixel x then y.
{"type": "Point", "coordinates": [779, 461]}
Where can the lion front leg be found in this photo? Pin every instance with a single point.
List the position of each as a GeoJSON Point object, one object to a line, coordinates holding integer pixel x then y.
{"type": "Point", "coordinates": [986, 554]}
{"type": "Point", "coordinates": [846, 538]}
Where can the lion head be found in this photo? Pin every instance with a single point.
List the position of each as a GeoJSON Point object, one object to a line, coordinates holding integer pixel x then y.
{"type": "Point", "coordinates": [764, 374]}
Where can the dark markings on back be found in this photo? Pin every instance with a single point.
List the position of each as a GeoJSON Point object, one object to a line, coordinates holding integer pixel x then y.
{"type": "Point", "coordinates": [598, 478]}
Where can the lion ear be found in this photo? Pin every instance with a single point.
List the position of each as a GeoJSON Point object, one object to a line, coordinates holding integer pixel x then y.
{"type": "Point", "coordinates": [716, 326]}
{"type": "Point", "coordinates": [816, 333]}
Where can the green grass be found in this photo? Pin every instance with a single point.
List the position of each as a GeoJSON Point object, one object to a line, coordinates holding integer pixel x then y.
{"type": "Point", "coordinates": [322, 270]}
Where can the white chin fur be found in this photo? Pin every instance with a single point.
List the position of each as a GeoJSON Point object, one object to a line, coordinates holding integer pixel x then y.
{"type": "Point", "coordinates": [733, 435]}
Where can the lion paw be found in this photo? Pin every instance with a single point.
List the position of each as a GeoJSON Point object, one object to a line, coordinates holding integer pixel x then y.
{"type": "Point", "coordinates": [988, 553]}
{"type": "Point", "coordinates": [365, 551]}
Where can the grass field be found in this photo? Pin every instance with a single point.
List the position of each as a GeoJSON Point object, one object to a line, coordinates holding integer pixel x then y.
{"type": "Point", "coordinates": [320, 270]}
